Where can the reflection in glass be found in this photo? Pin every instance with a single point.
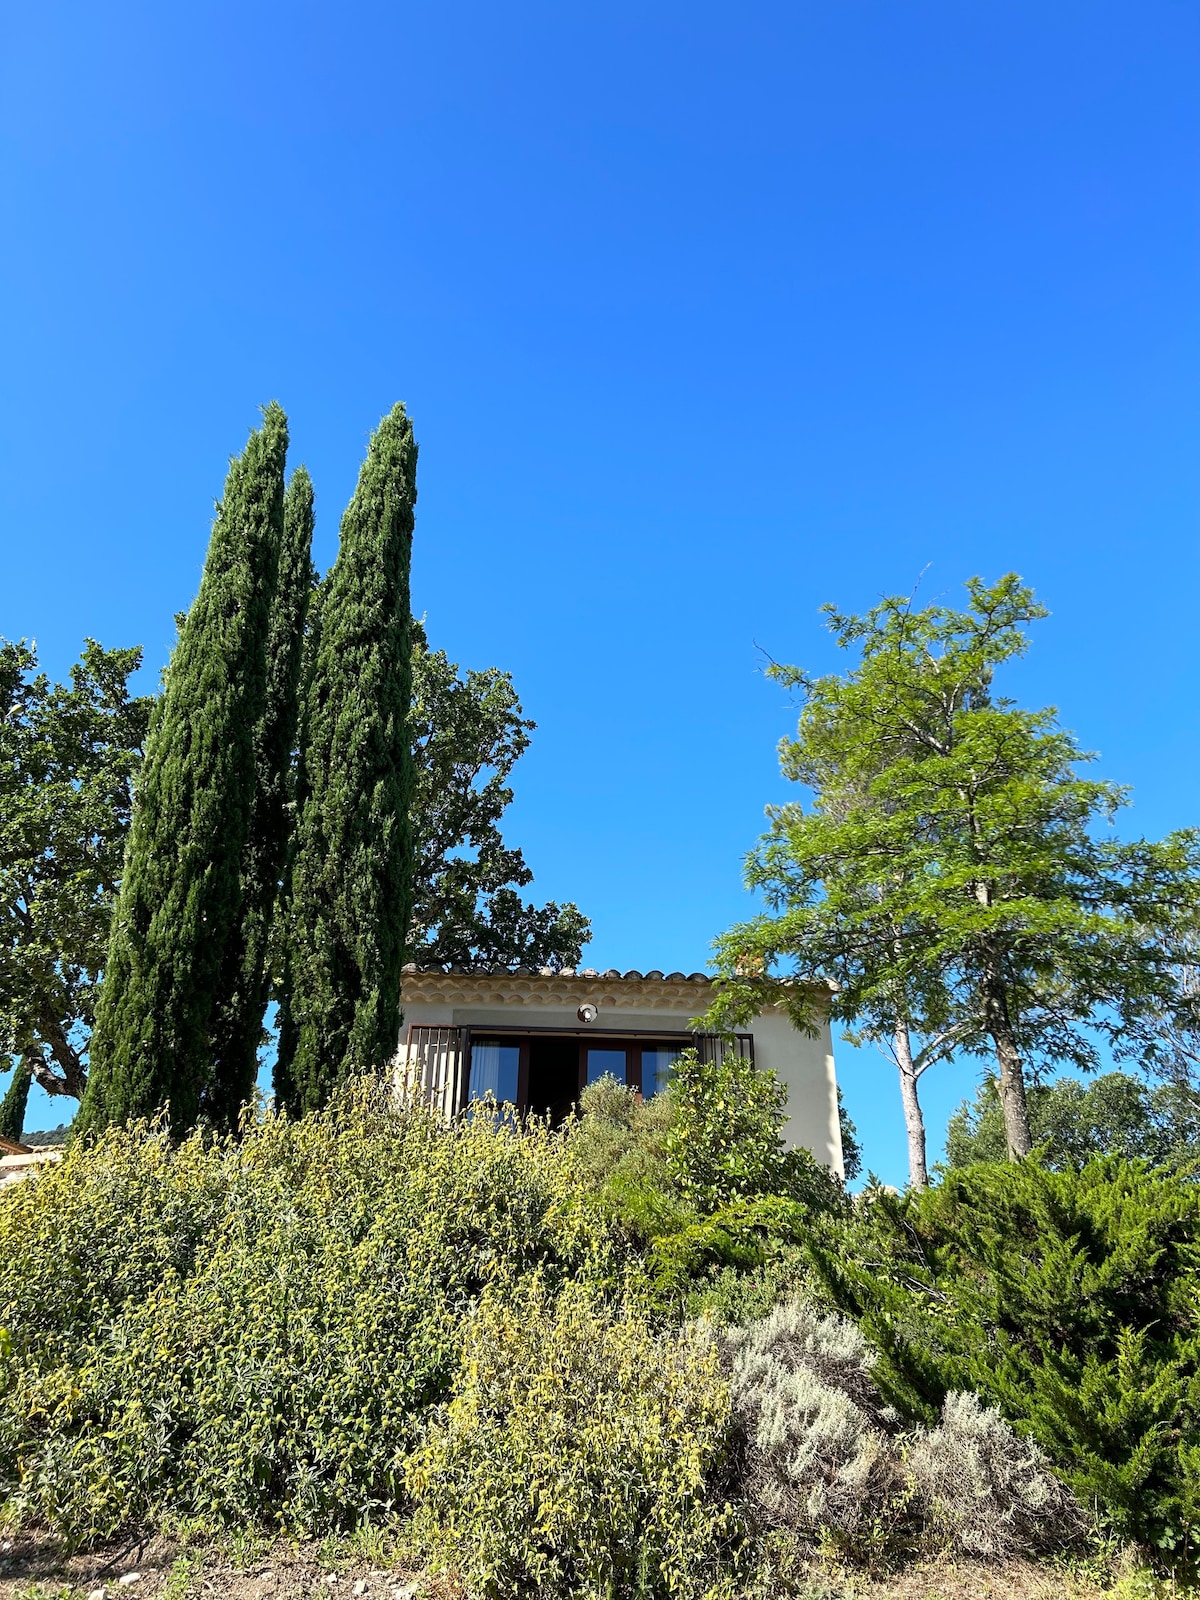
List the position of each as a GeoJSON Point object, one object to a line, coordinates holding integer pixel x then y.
{"type": "Point", "coordinates": [601, 1060]}
{"type": "Point", "coordinates": [657, 1061]}
{"type": "Point", "coordinates": [494, 1069]}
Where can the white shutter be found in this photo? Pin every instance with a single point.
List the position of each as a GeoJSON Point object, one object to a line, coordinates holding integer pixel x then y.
{"type": "Point", "coordinates": [435, 1069]}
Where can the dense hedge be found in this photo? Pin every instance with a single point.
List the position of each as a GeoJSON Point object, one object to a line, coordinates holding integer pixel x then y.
{"type": "Point", "coordinates": [1066, 1299]}
{"type": "Point", "coordinates": [593, 1362]}
{"type": "Point", "coordinates": [255, 1330]}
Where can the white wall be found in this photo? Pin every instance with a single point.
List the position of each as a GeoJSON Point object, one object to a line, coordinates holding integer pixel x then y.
{"type": "Point", "coordinates": [803, 1064]}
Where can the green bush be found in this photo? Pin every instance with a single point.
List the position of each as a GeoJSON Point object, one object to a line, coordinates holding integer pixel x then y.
{"type": "Point", "coordinates": [1066, 1299]}
{"type": "Point", "coordinates": [724, 1140]}
{"type": "Point", "coordinates": [256, 1331]}
{"type": "Point", "coordinates": [698, 1187]}
{"type": "Point", "coordinates": [579, 1455]}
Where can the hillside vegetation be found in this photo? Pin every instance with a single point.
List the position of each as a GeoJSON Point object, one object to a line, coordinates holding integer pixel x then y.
{"type": "Point", "coordinates": [652, 1355]}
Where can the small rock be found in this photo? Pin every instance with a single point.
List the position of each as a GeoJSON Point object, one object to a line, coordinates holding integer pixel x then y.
{"type": "Point", "coordinates": [331, 1578]}
{"type": "Point", "coordinates": [360, 1587]}
{"type": "Point", "coordinates": [127, 1579]}
{"type": "Point", "coordinates": [98, 1594]}
{"type": "Point", "coordinates": [404, 1591]}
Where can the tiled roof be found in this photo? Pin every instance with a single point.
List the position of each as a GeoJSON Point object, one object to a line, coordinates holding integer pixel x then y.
{"type": "Point", "coordinates": [633, 975]}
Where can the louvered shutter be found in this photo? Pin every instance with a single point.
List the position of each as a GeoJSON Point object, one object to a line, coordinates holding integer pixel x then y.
{"type": "Point", "coordinates": [435, 1070]}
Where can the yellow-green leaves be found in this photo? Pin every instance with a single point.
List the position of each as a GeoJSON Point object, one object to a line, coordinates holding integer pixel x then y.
{"type": "Point", "coordinates": [578, 1453]}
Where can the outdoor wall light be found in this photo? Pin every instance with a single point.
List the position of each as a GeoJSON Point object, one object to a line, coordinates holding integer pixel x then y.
{"type": "Point", "coordinates": [587, 1013]}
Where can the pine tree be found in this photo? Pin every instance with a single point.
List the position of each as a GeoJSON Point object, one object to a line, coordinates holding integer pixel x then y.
{"type": "Point", "coordinates": [12, 1106]}
{"type": "Point", "coordinates": [182, 897]}
{"type": "Point", "coordinates": [351, 876]}
{"type": "Point", "coordinates": [242, 996]}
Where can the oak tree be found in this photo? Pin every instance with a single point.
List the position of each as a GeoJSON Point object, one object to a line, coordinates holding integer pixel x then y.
{"type": "Point", "coordinates": [68, 754]}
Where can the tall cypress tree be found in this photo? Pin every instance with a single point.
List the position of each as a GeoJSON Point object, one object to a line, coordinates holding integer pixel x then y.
{"type": "Point", "coordinates": [182, 897]}
{"type": "Point", "coordinates": [12, 1106]}
{"type": "Point", "coordinates": [242, 996]}
{"type": "Point", "coordinates": [351, 874]}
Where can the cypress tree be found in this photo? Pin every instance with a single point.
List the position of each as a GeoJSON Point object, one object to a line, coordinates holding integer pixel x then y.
{"type": "Point", "coordinates": [351, 874]}
{"type": "Point", "coordinates": [243, 991]}
{"type": "Point", "coordinates": [182, 898]}
{"type": "Point", "coordinates": [12, 1106]}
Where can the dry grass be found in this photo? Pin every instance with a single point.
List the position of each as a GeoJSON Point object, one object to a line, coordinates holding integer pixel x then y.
{"type": "Point", "coordinates": [36, 1569]}
{"type": "Point", "coordinates": [970, 1580]}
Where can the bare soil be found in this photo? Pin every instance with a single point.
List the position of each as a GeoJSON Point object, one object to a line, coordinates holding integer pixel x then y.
{"type": "Point", "coordinates": [37, 1569]}
{"type": "Point", "coordinates": [156, 1569]}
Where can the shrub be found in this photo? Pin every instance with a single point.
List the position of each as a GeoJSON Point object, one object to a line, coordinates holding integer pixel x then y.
{"type": "Point", "coordinates": [987, 1492]}
{"type": "Point", "coordinates": [724, 1141]}
{"type": "Point", "coordinates": [824, 1456]}
{"type": "Point", "coordinates": [578, 1455]}
{"type": "Point", "coordinates": [1065, 1299]}
{"type": "Point", "coordinates": [685, 1223]}
{"type": "Point", "coordinates": [619, 1136]}
{"type": "Point", "coordinates": [256, 1331]}
{"type": "Point", "coordinates": [817, 1460]}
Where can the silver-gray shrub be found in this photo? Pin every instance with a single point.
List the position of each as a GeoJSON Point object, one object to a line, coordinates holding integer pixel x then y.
{"type": "Point", "coordinates": [817, 1458]}
{"type": "Point", "coordinates": [984, 1490]}
{"type": "Point", "coordinates": [823, 1456]}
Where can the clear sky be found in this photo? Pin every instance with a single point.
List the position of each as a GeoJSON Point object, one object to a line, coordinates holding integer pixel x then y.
{"type": "Point", "coordinates": [705, 315]}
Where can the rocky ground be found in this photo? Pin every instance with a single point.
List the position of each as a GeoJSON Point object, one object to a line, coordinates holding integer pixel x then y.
{"type": "Point", "coordinates": [33, 1569]}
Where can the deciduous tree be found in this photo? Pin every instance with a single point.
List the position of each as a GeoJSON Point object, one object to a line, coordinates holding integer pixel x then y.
{"type": "Point", "coordinates": [1116, 1114]}
{"type": "Point", "coordinates": [468, 733]}
{"type": "Point", "coordinates": [68, 753]}
{"type": "Point", "coordinates": [952, 874]}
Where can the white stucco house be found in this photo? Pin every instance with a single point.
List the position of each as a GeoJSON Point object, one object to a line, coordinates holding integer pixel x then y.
{"type": "Point", "coordinates": [536, 1038]}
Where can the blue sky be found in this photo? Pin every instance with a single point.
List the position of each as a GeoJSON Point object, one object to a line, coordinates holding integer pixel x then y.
{"type": "Point", "coordinates": [705, 315]}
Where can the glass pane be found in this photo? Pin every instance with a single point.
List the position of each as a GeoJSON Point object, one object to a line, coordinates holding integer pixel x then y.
{"type": "Point", "coordinates": [494, 1069]}
{"type": "Point", "coordinates": [657, 1061]}
{"type": "Point", "coordinates": [603, 1059]}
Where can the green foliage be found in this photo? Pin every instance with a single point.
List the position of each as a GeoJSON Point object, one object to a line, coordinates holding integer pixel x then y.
{"type": "Point", "coordinates": [578, 1455]}
{"type": "Point", "coordinates": [1066, 1299]}
{"type": "Point", "coordinates": [16, 1098]}
{"type": "Point", "coordinates": [255, 1331]}
{"type": "Point", "coordinates": [851, 1148]}
{"type": "Point", "coordinates": [183, 895]}
{"type": "Point", "coordinates": [238, 1030]}
{"type": "Point", "coordinates": [620, 1138]}
{"type": "Point", "coordinates": [949, 874]}
{"type": "Point", "coordinates": [1072, 1122]}
{"type": "Point", "coordinates": [468, 734]}
{"type": "Point", "coordinates": [67, 757]}
{"type": "Point", "coordinates": [702, 1195]}
{"type": "Point", "coordinates": [724, 1142]}
{"type": "Point", "coordinates": [351, 878]}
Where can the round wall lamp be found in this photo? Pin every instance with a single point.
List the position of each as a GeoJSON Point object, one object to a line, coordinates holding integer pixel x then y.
{"type": "Point", "coordinates": [587, 1013]}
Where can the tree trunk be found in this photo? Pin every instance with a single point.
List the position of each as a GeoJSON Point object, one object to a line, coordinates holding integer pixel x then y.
{"type": "Point", "coordinates": [914, 1120]}
{"type": "Point", "coordinates": [1008, 1058]}
{"type": "Point", "coordinates": [73, 1079]}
